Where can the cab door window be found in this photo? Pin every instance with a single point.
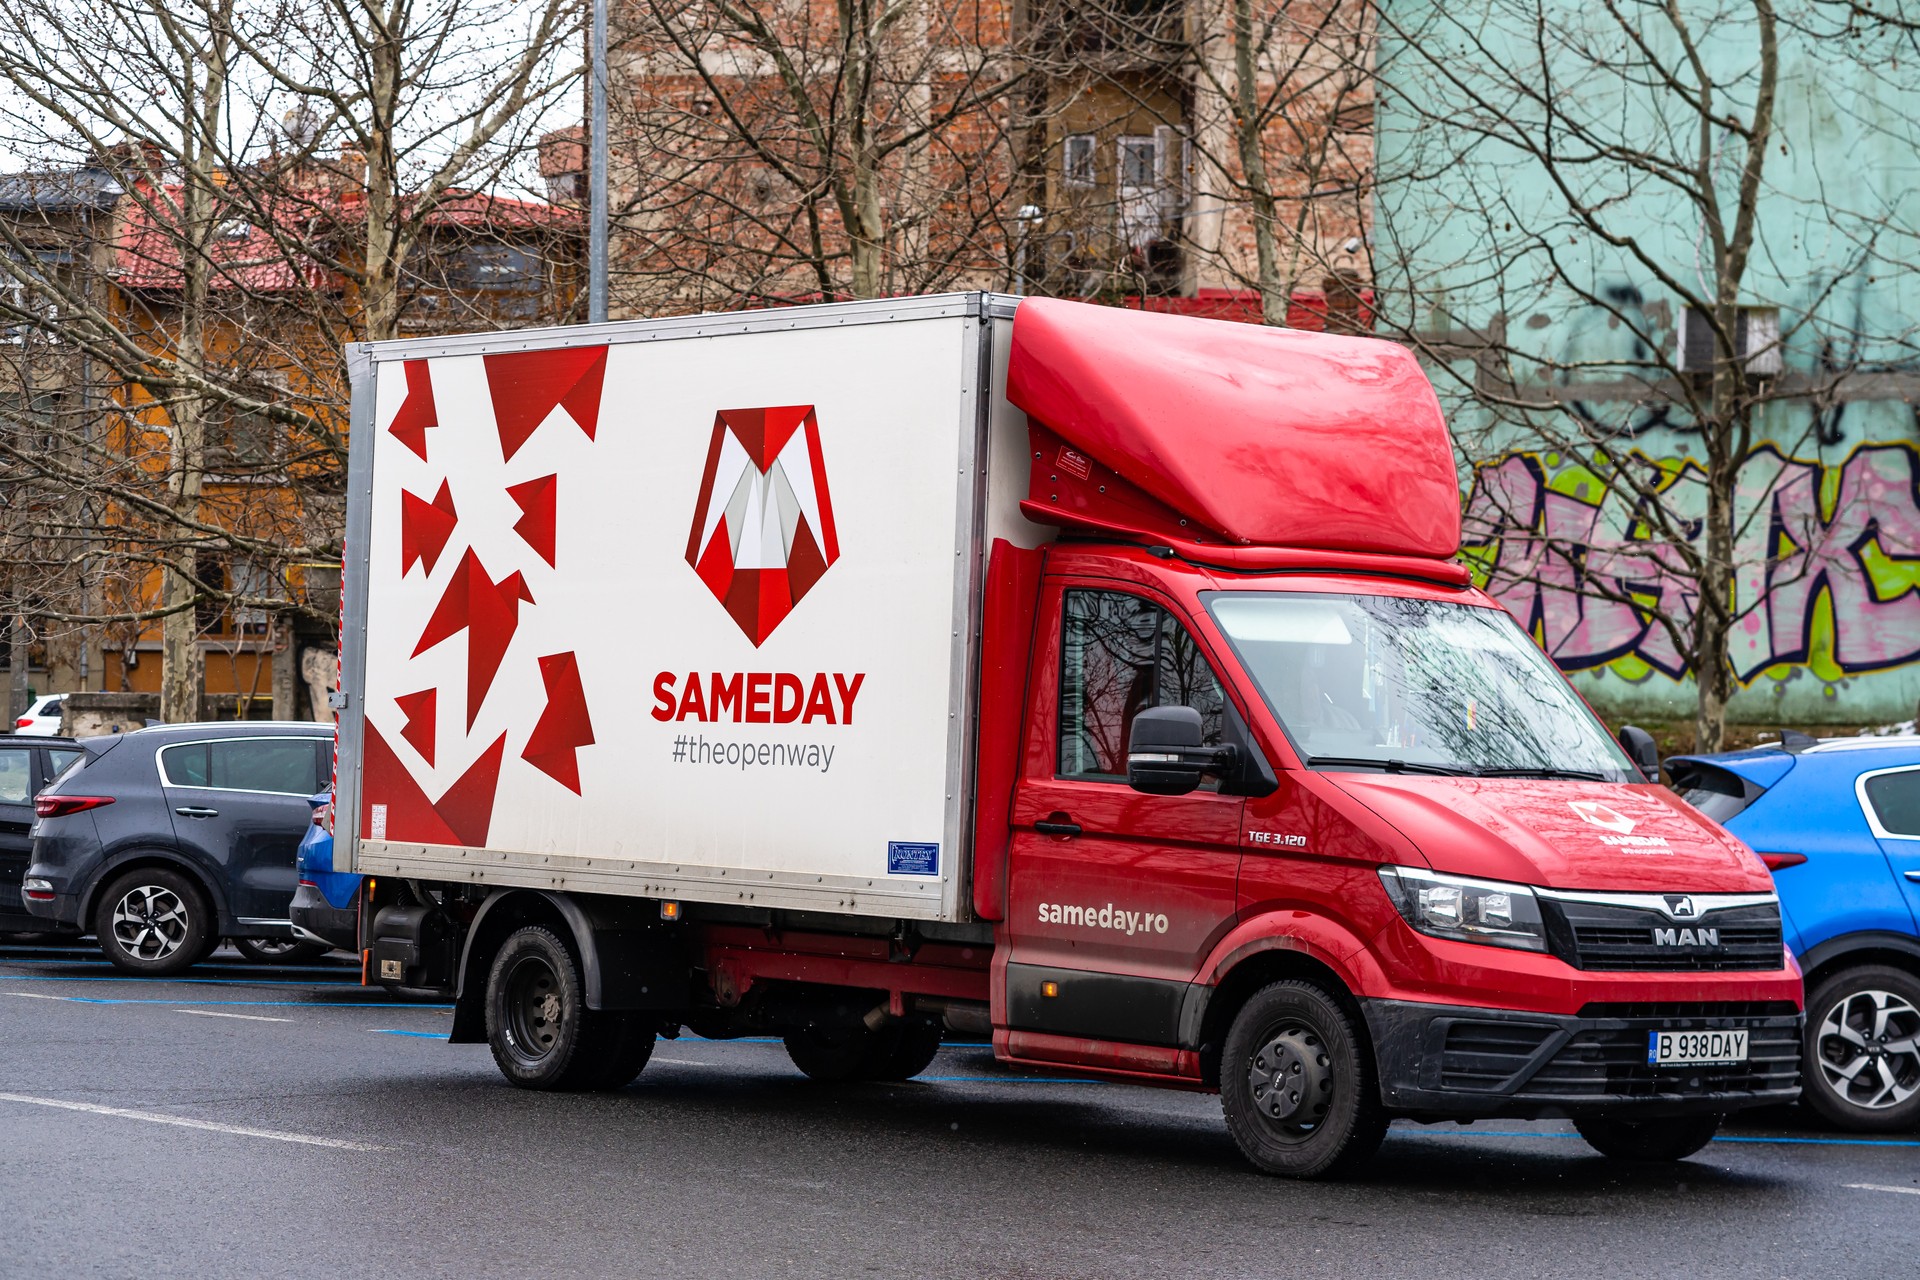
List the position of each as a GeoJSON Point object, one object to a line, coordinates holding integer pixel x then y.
{"type": "Point", "coordinates": [1121, 654]}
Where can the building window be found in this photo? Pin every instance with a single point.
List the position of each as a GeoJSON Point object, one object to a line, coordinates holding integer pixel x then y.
{"type": "Point", "coordinates": [1756, 337]}
{"type": "Point", "coordinates": [1078, 169]}
{"type": "Point", "coordinates": [1139, 164]}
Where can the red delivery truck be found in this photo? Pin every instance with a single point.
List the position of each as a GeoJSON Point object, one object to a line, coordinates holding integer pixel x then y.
{"type": "Point", "coordinates": [1098, 681]}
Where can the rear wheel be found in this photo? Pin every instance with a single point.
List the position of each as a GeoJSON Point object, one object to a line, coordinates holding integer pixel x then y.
{"type": "Point", "coordinates": [1672, 1138]}
{"type": "Point", "coordinates": [279, 950]}
{"type": "Point", "coordinates": [1296, 1084]}
{"type": "Point", "coordinates": [904, 1050]}
{"type": "Point", "coordinates": [835, 1053]}
{"type": "Point", "coordinates": [1861, 1068]}
{"type": "Point", "coordinates": [831, 1054]}
{"type": "Point", "coordinates": [543, 1035]}
{"type": "Point", "coordinates": [154, 921]}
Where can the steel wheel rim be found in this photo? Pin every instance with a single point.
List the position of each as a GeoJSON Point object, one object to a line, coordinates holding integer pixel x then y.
{"type": "Point", "coordinates": [535, 1006]}
{"type": "Point", "coordinates": [150, 922]}
{"type": "Point", "coordinates": [1868, 1048]}
{"type": "Point", "coordinates": [1290, 1079]}
{"type": "Point", "coordinates": [272, 946]}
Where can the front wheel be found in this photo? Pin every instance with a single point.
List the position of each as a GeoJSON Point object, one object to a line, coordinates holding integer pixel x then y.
{"type": "Point", "coordinates": [1296, 1084]}
{"type": "Point", "coordinates": [1861, 1067]}
{"type": "Point", "coordinates": [543, 1035]}
{"type": "Point", "coordinates": [1662, 1141]}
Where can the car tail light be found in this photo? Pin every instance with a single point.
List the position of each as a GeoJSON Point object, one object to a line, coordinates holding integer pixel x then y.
{"type": "Point", "coordinates": [61, 806]}
{"type": "Point", "coordinates": [24, 722]}
{"type": "Point", "coordinates": [323, 817]}
{"type": "Point", "coordinates": [1776, 861]}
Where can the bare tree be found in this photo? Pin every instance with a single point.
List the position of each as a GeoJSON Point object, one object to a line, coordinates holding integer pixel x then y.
{"type": "Point", "coordinates": [768, 151]}
{"type": "Point", "coordinates": [270, 181]}
{"type": "Point", "coordinates": [1595, 225]}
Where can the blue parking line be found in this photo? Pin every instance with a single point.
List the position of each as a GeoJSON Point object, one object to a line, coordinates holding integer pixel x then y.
{"type": "Point", "coordinates": [204, 982]}
{"type": "Point", "coordinates": [215, 964]}
{"type": "Point", "coordinates": [279, 1004]}
{"type": "Point", "coordinates": [1809, 1142]}
{"type": "Point", "coordinates": [418, 1035]}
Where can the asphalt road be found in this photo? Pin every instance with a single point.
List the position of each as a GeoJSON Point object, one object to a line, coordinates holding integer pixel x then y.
{"type": "Point", "coordinates": [255, 1122]}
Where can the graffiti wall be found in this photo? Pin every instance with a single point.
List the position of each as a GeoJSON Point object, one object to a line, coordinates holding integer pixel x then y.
{"type": "Point", "coordinates": [1827, 600]}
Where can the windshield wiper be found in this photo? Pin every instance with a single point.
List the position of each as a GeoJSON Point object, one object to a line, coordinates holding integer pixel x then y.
{"type": "Point", "coordinates": [1543, 771]}
{"type": "Point", "coordinates": [1388, 766]}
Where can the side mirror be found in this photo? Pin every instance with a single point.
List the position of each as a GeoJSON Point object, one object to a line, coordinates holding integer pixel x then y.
{"type": "Point", "coordinates": [1164, 752]}
{"type": "Point", "coordinates": [1641, 748]}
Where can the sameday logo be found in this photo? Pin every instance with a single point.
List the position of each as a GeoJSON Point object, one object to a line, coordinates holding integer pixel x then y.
{"type": "Point", "coordinates": [763, 529]}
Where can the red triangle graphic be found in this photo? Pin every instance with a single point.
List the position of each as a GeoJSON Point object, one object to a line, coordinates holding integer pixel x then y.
{"type": "Point", "coordinates": [409, 425]}
{"type": "Point", "coordinates": [538, 511]}
{"type": "Point", "coordinates": [564, 726]}
{"type": "Point", "coordinates": [420, 710]}
{"type": "Point", "coordinates": [425, 527]}
{"type": "Point", "coordinates": [527, 385]}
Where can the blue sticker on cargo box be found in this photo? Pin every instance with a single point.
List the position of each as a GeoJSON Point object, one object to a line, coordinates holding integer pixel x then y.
{"type": "Point", "coordinates": [909, 858]}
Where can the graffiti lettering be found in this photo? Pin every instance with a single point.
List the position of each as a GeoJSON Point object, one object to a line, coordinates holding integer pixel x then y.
{"type": "Point", "coordinates": [1571, 558]}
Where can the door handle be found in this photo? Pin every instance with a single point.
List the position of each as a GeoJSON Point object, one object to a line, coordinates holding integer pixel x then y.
{"type": "Point", "coordinates": [1914, 876]}
{"type": "Point", "coordinates": [195, 811]}
{"type": "Point", "coordinates": [1057, 824]}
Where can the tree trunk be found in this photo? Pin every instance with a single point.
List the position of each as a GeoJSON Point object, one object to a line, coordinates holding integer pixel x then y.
{"type": "Point", "coordinates": [1275, 292]}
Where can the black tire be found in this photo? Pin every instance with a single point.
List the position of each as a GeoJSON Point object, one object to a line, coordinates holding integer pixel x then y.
{"type": "Point", "coordinates": [279, 950]}
{"type": "Point", "coordinates": [833, 1053]}
{"type": "Point", "coordinates": [155, 922]}
{"type": "Point", "coordinates": [904, 1050]}
{"type": "Point", "coordinates": [1297, 1084]}
{"type": "Point", "coordinates": [542, 1033]}
{"type": "Point", "coordinates": [1864, 1023]}
{"type": "Point", "coordinates": [1664, 1140]}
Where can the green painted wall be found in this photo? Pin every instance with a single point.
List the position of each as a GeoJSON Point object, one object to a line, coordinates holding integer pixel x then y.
{"type": "Point", "coordinates": [1483, 255]}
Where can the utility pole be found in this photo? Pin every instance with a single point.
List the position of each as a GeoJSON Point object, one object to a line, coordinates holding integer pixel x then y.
{"type": "Point", "coordinates": [597, 172]}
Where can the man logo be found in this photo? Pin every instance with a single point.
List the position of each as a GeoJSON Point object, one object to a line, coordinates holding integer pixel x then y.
{"type": "Point", "coordinates": [1601, 815]}
{"type": "Point", "coordinates": [763, 529]}
{"type": "Point", "coordinates": [1680, 906]}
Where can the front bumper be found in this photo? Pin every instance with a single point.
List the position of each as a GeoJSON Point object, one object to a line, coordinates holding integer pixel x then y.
{"type": "Point", "coordinates": [1454, 1062]}
{"type": "Point", "coordinates": [317, 920]}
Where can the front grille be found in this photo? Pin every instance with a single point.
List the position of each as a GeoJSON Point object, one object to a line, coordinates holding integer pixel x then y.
{"type": "Point", "coordinates": [1612, 1061]}
{"type": "Point", "coordinates": [1609, 936]}
{"type": "Point", "coordinates": [1483, 1056]}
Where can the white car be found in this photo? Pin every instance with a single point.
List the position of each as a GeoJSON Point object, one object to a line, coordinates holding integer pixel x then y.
{"type": "Point", "coordinates": [42, 717]}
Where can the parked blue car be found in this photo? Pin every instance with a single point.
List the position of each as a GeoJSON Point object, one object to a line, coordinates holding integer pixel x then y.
{"type": "Point", "coordinates": [326, 906]}
{"type": "Point", "coordinates": [1838, 822]}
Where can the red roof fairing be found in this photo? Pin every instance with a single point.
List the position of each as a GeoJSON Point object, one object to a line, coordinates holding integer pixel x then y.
{"type": "Point", "coordinates": [1232, 432]}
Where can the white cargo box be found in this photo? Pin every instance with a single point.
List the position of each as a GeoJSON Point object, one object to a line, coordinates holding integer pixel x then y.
{"type": "Point", "coordinates": [684, 608]}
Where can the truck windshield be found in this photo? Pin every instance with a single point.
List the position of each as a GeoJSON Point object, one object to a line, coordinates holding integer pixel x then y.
{"type": "Point", "coordinates": [1363, 682]}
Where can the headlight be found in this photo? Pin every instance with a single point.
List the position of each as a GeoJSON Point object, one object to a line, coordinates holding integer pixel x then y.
{"type": "Point", "coordinates": [1501, 915]}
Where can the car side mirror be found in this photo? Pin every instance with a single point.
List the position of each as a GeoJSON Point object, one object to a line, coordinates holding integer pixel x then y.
{"type": "Point", "coordinates": [1165, 756]}
{"type": "Point", "coordinates": [1642, 750]}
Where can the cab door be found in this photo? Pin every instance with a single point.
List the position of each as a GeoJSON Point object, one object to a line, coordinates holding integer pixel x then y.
{"type": "Point", "coordinates": [1114, 897]}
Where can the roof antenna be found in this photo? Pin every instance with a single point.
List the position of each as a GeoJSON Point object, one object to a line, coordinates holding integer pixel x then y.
{"type": "Point", "coordinates": [1793, 742]}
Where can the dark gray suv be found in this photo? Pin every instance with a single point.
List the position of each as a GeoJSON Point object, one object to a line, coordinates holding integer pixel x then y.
{"type": "Point", "coordinates": [162, 841]}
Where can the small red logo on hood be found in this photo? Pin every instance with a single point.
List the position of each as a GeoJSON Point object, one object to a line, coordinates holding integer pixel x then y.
{"type": "Point", "coordinates": [763, 530]}
{"type": "Point", "coordinates": [1601, 815]}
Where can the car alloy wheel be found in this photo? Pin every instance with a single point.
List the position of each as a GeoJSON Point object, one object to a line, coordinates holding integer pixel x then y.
{"type": "Point", "coordinates": [150, 922]}
{"type": "Point", "coordinates": [1868, 1049]}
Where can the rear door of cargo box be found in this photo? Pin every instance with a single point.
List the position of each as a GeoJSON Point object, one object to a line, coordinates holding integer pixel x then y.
{"type": "Point", "coordinates": [672, 609]}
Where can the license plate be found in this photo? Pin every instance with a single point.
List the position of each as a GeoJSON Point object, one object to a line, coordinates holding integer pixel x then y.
{"type": "Point", "coordinates": [1695, 1048]}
